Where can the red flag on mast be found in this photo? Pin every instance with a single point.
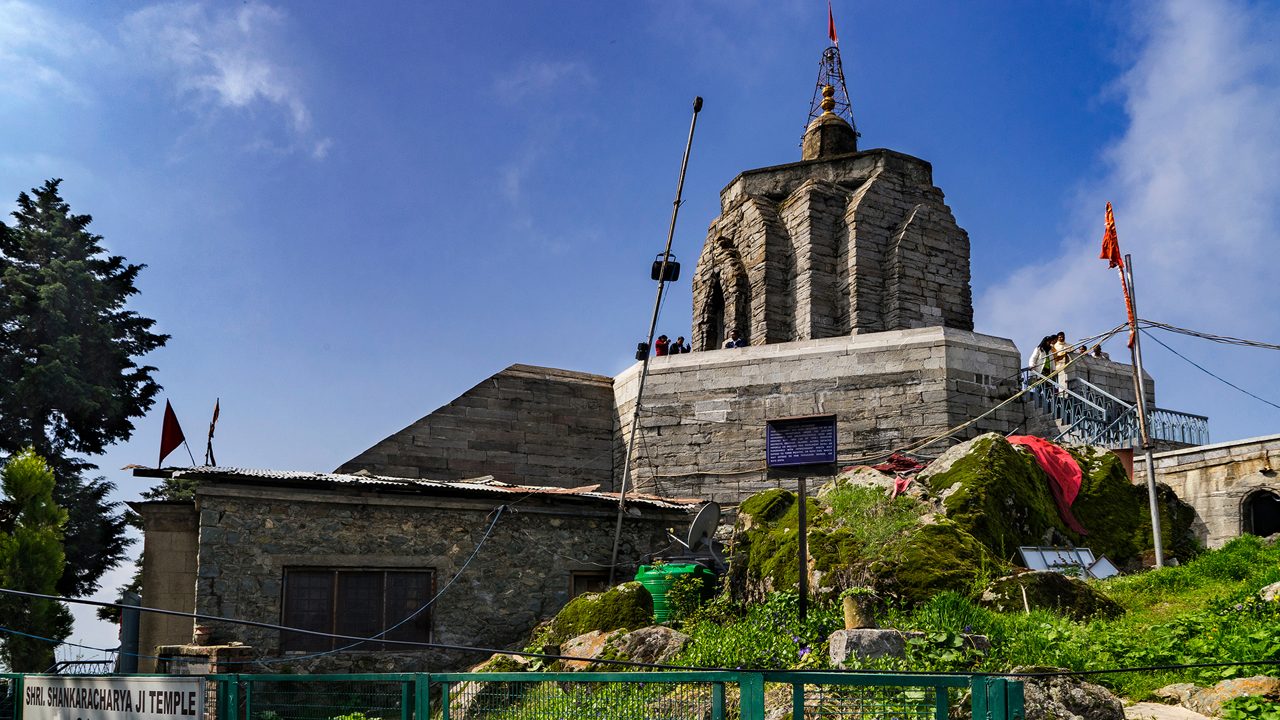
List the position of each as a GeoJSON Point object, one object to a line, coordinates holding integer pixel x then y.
{"type": "Point", "coordinates": [1111, 253]}
{"type": "Point", "coordinates": [1111, 242]}
{"type": "Point", "coordinates": [171, 434]}
{"type": "Point", "coordinates": [831, 25]}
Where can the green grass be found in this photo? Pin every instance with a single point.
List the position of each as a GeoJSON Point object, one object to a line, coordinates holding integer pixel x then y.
{"type": "Point", "coordinates": [1205, 611]}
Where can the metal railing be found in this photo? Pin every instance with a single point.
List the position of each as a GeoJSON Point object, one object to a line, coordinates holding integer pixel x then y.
{"type": "Point", "coordinates": [1090, 415]}
{"type": "Point", "coordinates": [705, 695]}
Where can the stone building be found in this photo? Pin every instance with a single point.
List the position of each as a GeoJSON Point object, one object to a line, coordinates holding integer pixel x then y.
{"type": "Point", "coordinates": [848, 277]}
{"type": "Point", "coordinates": [355, 554]}
{"type": "Point", "coordinates": [1233, 486]}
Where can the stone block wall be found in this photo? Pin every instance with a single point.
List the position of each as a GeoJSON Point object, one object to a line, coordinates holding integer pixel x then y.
{"type": "Point", "coordinates": [1217, 480]}
{"type": "Point", "coordinates": [823, 248]}
{"type": "Point", "coordinates": [702, 433]}
{"type": "Point", "coordinates": [525, 425]}
{"type": "Point", "coordinates": [249, 535]}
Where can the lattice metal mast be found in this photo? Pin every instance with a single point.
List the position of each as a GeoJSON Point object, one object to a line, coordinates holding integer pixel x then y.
{"type": "Point", "coordinates": [831, 72]}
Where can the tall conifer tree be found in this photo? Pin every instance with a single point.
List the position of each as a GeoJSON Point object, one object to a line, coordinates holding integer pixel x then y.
{"type": "Point", "coordinates": [69, 382]}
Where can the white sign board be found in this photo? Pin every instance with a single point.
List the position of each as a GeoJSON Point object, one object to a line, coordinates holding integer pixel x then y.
{"type": "Point", "coordinates": [56, 697]}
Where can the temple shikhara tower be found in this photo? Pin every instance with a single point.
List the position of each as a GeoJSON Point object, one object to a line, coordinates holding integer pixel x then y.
{"type": "Point", "coordinates": [847, 277]}
{"type": "Point", "coordinates": [840, 243]}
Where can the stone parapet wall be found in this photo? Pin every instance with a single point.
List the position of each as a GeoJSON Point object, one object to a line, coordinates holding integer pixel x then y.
{"type": "Point", "coordinates": [522, 575]}
{"type": "Point", "coordinates": [1216, 480]}
{"type": "Point", "coordinates": [525, 425]}
{"type": "Point", "coordinates": [702, 433]}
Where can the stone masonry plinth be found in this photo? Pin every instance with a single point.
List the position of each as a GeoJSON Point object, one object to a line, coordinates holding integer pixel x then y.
{"type": "Point", "coordinates": [703, 427]}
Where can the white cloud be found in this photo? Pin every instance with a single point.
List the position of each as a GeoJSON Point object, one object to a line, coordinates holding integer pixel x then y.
{"type": "Point", "coordinates": [225, 59]}
{"type": "Point", "coordinates": [1195, 180]}
{"type": "Point", "coordinates": [539, 77]}
{"type": "Point", "coordinates": [36, 46]}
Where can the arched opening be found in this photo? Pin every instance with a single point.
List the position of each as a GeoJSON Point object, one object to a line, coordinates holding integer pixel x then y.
{"type": "Point", "coordinates": [1261, 513]}
{"type": "Point", "coordinates": [715, 315]}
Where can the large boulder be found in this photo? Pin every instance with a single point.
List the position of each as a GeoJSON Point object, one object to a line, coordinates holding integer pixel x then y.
{"type": "Point", "coordinates": [1054, 591]}
{"type": "Point", "coordinates": [1061, 697]}
{"type": "Point", "coordinates": [588, 647]}
{"type": "Point", "coordinates": [998, 493]}
{"type": "Point", "coordinates": [653, 644]}
{"type": "Point", "coordinates": [769, 545]}
{"type": "Point", "coordinates": [933, 559]}
{"type": "Point", "coordinates": [628, 606]}
{"type": "Point", "coordinates": [1270, 593]}
{"type": "Point", "coordinates": [1209, 701]}
{"type": "Point", "coordinates": [845, 646]}
{"type": "Point", "coordinates": [1117, 516]}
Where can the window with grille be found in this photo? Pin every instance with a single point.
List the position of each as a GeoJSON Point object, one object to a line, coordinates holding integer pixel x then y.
{"type": "Point", "coordinates": [360, 603]}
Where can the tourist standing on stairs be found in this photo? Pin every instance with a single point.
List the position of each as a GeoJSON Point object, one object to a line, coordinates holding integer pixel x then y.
{"type": "Point", "coordinates": [1042, 356]}
{"type": "Point", "coordinates": [1061, 356]}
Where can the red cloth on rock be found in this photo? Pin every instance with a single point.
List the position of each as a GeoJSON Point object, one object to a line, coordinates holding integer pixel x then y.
{"type": "Point", "coordinates": [1064, 474]}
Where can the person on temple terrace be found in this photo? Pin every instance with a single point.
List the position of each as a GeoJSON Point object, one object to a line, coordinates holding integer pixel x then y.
{"type": "Point", "coordinates": [679, 346]}
{"type": "Point", "coordinates": [661, 347]}
{"type": "Point", "coordinates": [735, 340]}
{"type": "Point", "coordinates": [1061, 356]}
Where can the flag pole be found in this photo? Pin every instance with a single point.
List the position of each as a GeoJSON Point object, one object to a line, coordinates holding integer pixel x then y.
{"type": "Point", "coordinates": [1143, 426]}
{"type": "Point", "coordinates": [644, 362]}
{"type": "Point", "coordinates": [209, 460]}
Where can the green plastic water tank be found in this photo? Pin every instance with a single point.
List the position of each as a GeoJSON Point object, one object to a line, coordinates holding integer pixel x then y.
{"type": "Point", "coordinates": [657, 579]}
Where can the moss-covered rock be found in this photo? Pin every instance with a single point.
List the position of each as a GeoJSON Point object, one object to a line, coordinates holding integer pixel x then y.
{"type": "Point", "coordinates": [1054, 591]}
{"type": "Point", "coordinates": [1116, 515]}
{"type": "Point", "coordinates": [932, 559]}
{"type": "Point", "coordinates": [628, 606]}
{"type": "Point", "coordinates": [997, 494]}
{"type": "Point", "coordinates": [770, 546]}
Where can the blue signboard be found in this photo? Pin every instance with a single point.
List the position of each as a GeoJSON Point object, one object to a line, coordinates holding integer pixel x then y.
{"type": "Point", "coordinates": [800, 441]}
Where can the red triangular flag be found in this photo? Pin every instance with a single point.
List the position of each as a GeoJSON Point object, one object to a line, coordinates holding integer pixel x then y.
{"type": "Point", "coordinates": [1111, 253]}
{"type": "Point", "coordinates": [171, 434]}
{"type": "Point", "coordinates": [831, 25]}
{"type": "Point", "coordinates": [1111, 242]}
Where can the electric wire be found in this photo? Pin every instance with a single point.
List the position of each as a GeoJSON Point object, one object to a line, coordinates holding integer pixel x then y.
{"type": "Point", "coordinates": [1210, 373]}
{"type": "Point", "coordinates": [1224, 339]}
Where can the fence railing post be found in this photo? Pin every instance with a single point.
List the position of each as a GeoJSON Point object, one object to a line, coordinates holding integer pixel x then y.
{"type": "Point", "coordinates": [18, 693]}
{"type": "Point", "coordinates": [444, 700]}
{"type": "Point", "coordinates": [421, 696]}
{"type": "Point", "coordinates": [717, 701]}
{"type": "Point", "coordinates": [233, 698]}
{"type": "Point", "coordinates": [995, 698]}
{"type": "Point", "coordinates": [406, 700]}
{"type": "Point", "coordinates": [941, 703]}
{"type": "Point", "coordinates": [797, 700]}
{"type": "Point", "coordinates": [1016, 705]}
{"type": "Point", "coordinates": [751, 700]}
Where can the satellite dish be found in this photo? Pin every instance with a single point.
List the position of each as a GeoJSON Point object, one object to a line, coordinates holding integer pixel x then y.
{"type": "Point", "coordinates": [704, 526]}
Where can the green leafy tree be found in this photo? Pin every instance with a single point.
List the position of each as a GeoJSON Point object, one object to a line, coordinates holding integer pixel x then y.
{"type": "Point", "coordinates": [31, 559]}
{"type": "Point", "coordinates": [69, 382]}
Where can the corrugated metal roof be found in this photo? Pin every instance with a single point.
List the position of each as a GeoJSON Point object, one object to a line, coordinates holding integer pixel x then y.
{"type": "Point", "coordinates": [486, 485]}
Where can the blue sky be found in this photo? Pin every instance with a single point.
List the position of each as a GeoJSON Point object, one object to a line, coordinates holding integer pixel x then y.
{"type": "Point", "coordinates": [352, 212]}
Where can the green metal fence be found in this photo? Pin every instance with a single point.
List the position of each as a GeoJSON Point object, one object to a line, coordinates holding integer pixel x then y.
{"type": "Point", "coordinates": [693, 695]}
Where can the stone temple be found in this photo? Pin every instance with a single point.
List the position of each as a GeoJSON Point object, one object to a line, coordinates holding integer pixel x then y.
{"type": "Point", "coordinates": [848, 277]}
